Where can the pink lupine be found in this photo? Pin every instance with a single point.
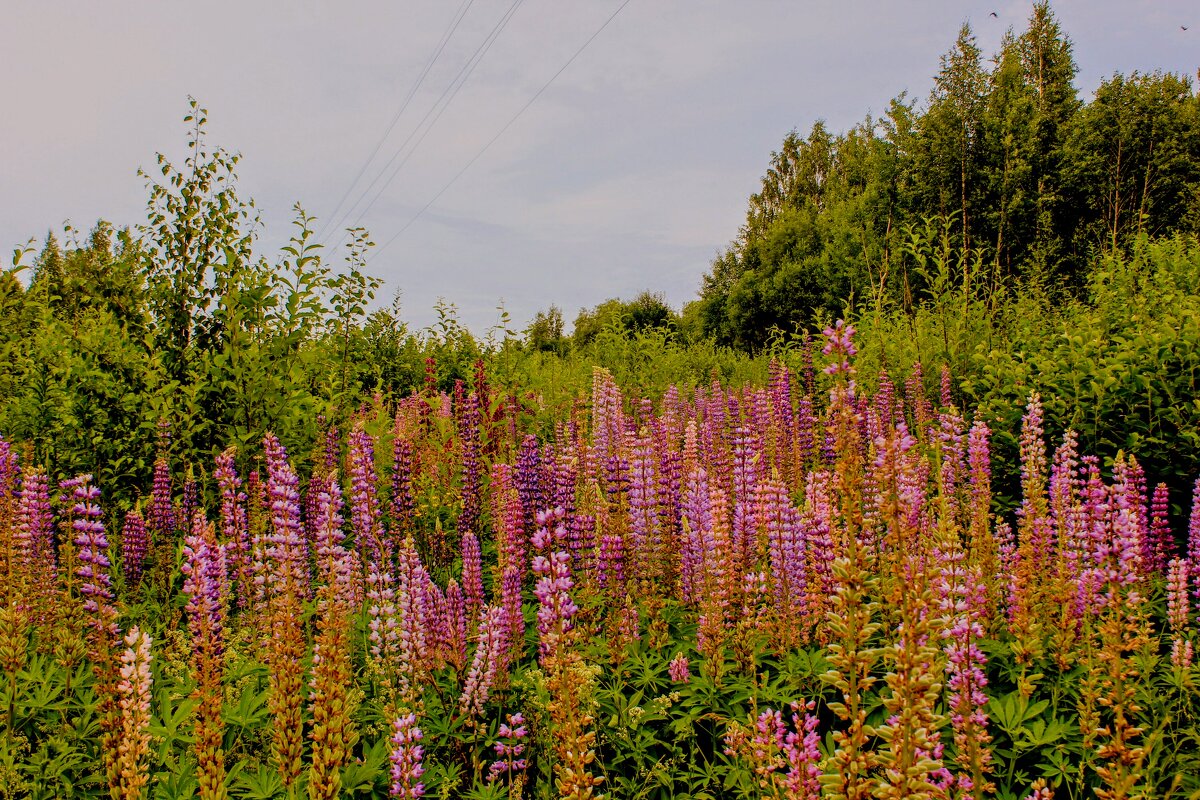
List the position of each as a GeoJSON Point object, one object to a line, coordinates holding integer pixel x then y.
{"type": "Point", "coordinates": [235, 527]}
{"type": "Point", "coordinates": [840, 345]}
{"type": "Point", "coordinates": [678, 669]}
{"type": "Point", "coordinates": [510, 748]}
{"type": "Point", "coordinates": [1178, 611]}
{"type": "Point", "coordinates": [963, 604]}
{"type": "Point", "coordinates": [407, 759]}
{"type": "Point", "coordinates": [472, 577]}
{"type": "Point", "coordinates": [553, 586]}
{"type": "Point", "coordinates": [490, 647]}
{"type": "Point", "coordinates": [133, 702]}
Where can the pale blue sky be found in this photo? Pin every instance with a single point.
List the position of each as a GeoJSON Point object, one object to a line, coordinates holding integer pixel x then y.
{"type": "Point", "coordinates": [628, 173]}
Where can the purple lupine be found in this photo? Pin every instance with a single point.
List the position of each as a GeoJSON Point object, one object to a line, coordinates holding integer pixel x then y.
{"type": "Point", "coordinates": [161, 513]}
{"type": "Point", "coordinates": [365, 517]}
{"type": "Point", "coordinates": [839, 343]}
{"type": "Point", "coordinates": [747, 458]}
{"type": "Point", "coordinates": [472, 466]}
{"type": "Point", "coordinates": [698, 514]}
{"type": "Point", "coordinates": [407, 759]}
{"type": "Point", "coordinates": [1162, 547]}
{"type": "Point", "coordinates": [510, 598]}
{"type": "Point", "coordinates": [491, 645]}
{"type": "Point", "coordinates": [383, 634]}
{"type": "Point", "coordinates": [950, 433]}
{"type": "Point", "coordinates": [779, 521]}
{"type": "Point", "coordinates": [806, 430]}
{"type": "Point", "coordinates": [1033, 462]}
{"type": "Point", "coordinates": [455, 626]}
{"type": "Point", "coordinates": [235, 526]}
{"type": "Point", "coordinates": [555, 607]}
{"type": "Point", "coordinates": [529, 480]}
{"type": "Point", "coordinates": [134, 543]}
{"type": "Point", "coordinates": [337, 563]}
{"type": "Point", "coordinates": [472, 577]}
{"type": "Point", "coordinates": [288, 570]}
{"type": "Point", "coordinates": [510, 748]}
{"type": "Point", "coordinates": [189, 502]}
{"type": "Point", "coordinates": [204, 569]}
{"type": "Point", "coordinates": [643, 508]}
{"type": "Point", "coordinates": [92, 553]}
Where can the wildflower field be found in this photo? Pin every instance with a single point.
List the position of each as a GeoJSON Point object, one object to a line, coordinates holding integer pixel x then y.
{"type": "Point", "coordinates": [797, 590]}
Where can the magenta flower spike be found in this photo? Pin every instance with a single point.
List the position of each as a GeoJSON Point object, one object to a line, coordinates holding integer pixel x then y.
{"type": "Point", "coordinates": [472, 466]}
{"type": "Point", "coordinates": [490, 649]}
{"type": "Point", "coordinates": [235, 527]}
{"type": "Point", "coordinates": [35, 532]}
{"type": "Point", "coordinates": [510, 748]}
{"type": "Point", "coordinates": [407, 759]}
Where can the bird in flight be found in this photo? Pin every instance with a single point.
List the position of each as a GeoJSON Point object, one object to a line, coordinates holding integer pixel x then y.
{"type": "Point", "coordinates": [1183, 27]}
{"type": "Point", "coordinates": [997, 17]}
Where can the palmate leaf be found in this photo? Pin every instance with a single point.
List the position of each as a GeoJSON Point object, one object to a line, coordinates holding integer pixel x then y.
{"type": "Point", "coordinates": [362, 777]}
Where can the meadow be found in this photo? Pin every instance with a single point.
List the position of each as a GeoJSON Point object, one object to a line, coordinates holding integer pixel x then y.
{"type": "Point", "coordinates": [790, 589]}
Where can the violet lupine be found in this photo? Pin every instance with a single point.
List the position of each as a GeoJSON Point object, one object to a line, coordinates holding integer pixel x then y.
{"type": "Point", "coordinates": [94, 570]}
{"type": "Point", "coordinates": [407, 758]}
{"type": "Point", "coordinates": [555, 607]}
{"type": "Point", "coordinates": [510, 748]}
{"type": "Point", "coordinates": [204, 573]}
{"type": "Point", "coordinates": [747, 456]}
{"type": "Point", "coordinates": [678, 669]}
{"type": "Point", "coordinates": [403, 506]}
{"type": "Point", "coordinates": [698, 521]}
{"type": "Point", "coordinates": [472, 577]}
{"type": "Point", "coordinates": [779, 522]}
{"type": "Point", "coordinates": [383, 633]}
{"type": "Point", "coordinates": [134, 544]}
{"type": "Point", "coordinates": [491, 645]}
{"type": "Point", "coordinates": [530, 481]}
{"type": "Point", "coordinates": [643, 510]}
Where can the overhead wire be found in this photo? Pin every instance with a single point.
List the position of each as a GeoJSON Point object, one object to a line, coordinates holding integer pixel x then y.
{"type": "Point", "coordinates": [459, 15]}
{"type": "Point", "coordinates": [435, 111]}
{"type": "Point", "coordinates": [501, 132]}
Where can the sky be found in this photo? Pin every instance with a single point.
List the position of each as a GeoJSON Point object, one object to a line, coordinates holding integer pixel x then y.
{"type": "Point", "coordinates": [556, 173]}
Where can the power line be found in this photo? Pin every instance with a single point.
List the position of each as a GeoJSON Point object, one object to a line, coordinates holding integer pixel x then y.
{"type": "Point", "coordinates": [449, 32]}
{"type": "Point", "coordinates": [439, 106]}
{"type": "Point", "coordinates": [501, 132]}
